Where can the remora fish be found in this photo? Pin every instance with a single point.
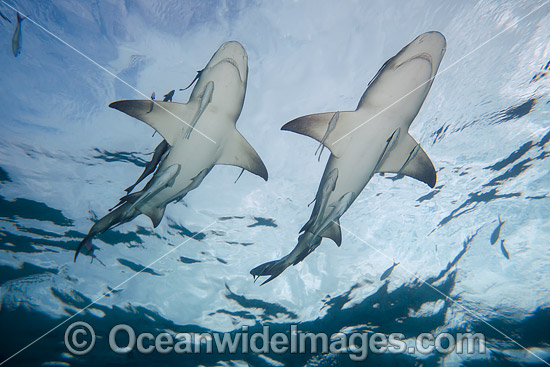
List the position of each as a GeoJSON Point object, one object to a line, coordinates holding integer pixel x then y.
{"type": "Point", "coordinates": [372, 139]}
{"type": "Point", "coordinates": [503, 249]}
{"type": "Point", "coordinates": [330, 127]}
{"type": "Point", "coordinates": [168, 96]}
{"type": "Point", "coordinates": [151, 166]}
{"type": "Point", "coordinates": [206, 98]}
{"type": "Point", "coordinates": [3, 16]}
{"type": "Point", "coordinates": [496, 233]}
{"type": "Point", "coordinates": [194, 79]}
{"type": "Point", "coordinates": [187, 161]}
{"type": "Point", "coordinates": [388, 271]}
{"type": "Point", "coordinates": [17, 37]}
{"type": "Point", "coordinates": [322, 197]}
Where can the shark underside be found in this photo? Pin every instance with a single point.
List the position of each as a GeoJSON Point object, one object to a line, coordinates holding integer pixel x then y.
{"type": "Point", "coordinates": [372, 139]}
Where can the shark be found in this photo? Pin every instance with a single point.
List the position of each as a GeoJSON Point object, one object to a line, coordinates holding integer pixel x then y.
{"type": "Point", "coordinates": [372, 139]}
{"type": "Point", "coordinates": [182, 160]}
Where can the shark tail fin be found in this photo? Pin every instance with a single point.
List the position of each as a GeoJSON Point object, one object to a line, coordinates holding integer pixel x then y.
{"type": "Point", "coordinates": [87, 242]}
{"type": "Point", "coordinates": [272, 269]}
{"type": "Point", "coordinates": [238, 152]}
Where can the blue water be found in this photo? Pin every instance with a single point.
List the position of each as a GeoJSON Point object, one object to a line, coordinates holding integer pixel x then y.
{"type": "Point", "coordinates": [65, 159]}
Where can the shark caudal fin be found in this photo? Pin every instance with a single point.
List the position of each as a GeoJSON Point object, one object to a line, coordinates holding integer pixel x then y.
{"type": "Point", "coordinates": [238, 152]}
{"type": "Point", "coordinates": [408, 158]}
{"type": "Point", "coordinates": [167, 118]}
{"type": "Point", "coordinates": [86, 242]}
{"type": "Point", "coordinates": [272, 269]}
{"type": "Point", "coordinates": [122, 214]}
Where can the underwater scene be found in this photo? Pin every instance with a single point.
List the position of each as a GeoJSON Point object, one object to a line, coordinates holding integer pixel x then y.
{"type": "Point", "coordinates": [275, 183]}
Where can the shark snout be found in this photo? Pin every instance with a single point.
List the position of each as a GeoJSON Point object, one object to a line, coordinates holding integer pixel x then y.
{"type": "Point", "coordinates": [231, 52]}
{"type": "Point", "coordinates": [432, 42]}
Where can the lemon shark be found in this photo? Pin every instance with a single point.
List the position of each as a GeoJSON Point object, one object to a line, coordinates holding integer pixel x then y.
{"type": "Point", "coordinates": [197, 135]}
{"type": "Point", "coordinates": [372, 139]}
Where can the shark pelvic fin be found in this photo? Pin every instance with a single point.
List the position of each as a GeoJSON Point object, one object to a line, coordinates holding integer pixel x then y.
{"type": "Point", "coordinates": [238, 152]}
{"type": "Point", "coordinates": [408, 158]}
{"type": "Point", "coordinates": [155, 214]}
{"type": "Point", "coordinates": [333, 232]}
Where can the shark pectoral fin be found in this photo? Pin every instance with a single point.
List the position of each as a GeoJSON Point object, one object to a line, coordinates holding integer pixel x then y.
{"type": "Point", "coordinates": [168, 118]}
{"type": "Point", "coordinates": [421, 168]}
{"type": "Point", "coordinates": [333, 232]}
{"type": "Point", "coordinates": [317, 126]}
{"type": "Point", "coordinates": [408, 158]}
{"type": "Point", "coordinates": [238, 152]}
{"type": "Point", "coordinates": [155, 214]}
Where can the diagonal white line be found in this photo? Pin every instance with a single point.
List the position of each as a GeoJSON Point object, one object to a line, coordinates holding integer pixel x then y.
{"type": "Point", "coordinates": [441, 72]}
{"type": "Point", "coordinates": [105, 294]}
{"type": "Point", "coordinates": [104, 69]}
{"type": "Point", "coordinates": [467, 310]}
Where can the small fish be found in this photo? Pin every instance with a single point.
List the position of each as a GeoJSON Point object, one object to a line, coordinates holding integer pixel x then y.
{"type": "Point", "coordinates": [3, 16]}
{"type": "Point", "coordinates": [159, 182]}
{"type": "Point", "coordinates": [113, 290]}
{"type": "Point", "coordinates": [338, 208]}
{"type": "Point", "coordinates": [168, 96]}
{"type": "Point", "coordinates": [205, 101]}
{"type": "Point", "coordinates": [503, 249]}
{"type": "Point", "coordinates": [193, 81]}
{"type": "Point", "coordinates": [153, 96]}
{"type": "Point", "coordinates": [17, 38]}
{"type": "Point", "coordinates": [388, 271]}
{"type": "Point", "coordinates": [496, 233]}
{"type": "Point", "coordinates": [327, 186]}
{"type": "Point", "coordinates": [412, 154]}
{"type": "Point", "coordinates": [196, 181]}
{"type": "Point", "coordinates": [150, 167]}
{"type": "Point", "coordinates": [330, 127]}
{"type": "Point", "coordinates": [390, 143]}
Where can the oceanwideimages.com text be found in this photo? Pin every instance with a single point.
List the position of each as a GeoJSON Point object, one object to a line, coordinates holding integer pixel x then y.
{"type": "Point", "coordinates": [80, 339]}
